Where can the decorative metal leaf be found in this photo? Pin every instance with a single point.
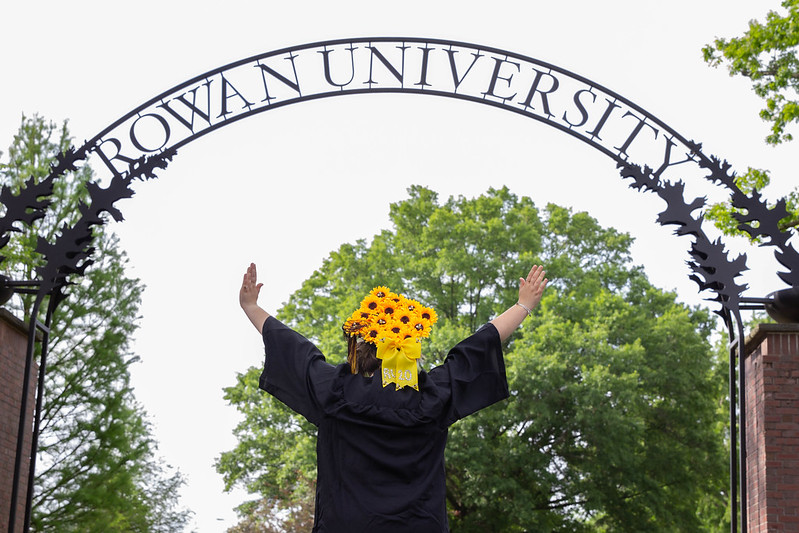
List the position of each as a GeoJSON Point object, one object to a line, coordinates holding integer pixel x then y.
{"type": "Point", "coordinates": [102, 200]}
{"type": "Point", "coordinates": [720, 170]}
{"type": "Point", "coordinates": [789, 258]}
{"type": "Point", "coordinates": [71, 251]}
{"type": "Point", "coordinates": [758, 219]}
{"type": "Point", "coordinates": [144, 167]}
{"type": "Point", "coordinates": [643, 179]}
{"type": "Point", "coordinates": [678, 212]}
{"type": "Point", "coordinates": [713, 270]}
{"type": "Point", "coordinates": [26, 206]}
{"type": "Point", "coordinates": [766, 219]}
{"type": "Point", "coordinates": [66, 161]}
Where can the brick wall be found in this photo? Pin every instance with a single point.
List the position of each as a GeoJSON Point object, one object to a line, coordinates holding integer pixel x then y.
{"type": "Point", "coordinates": [772, 428]}
{"type": "Point", "coordinates": [13, 348]}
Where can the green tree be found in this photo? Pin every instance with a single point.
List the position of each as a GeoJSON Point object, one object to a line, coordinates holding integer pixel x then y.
{"type": "Point", "coordinates": [767, 55]}
{"type": "Point", "coordinates": [96, 468]}
{"type": "Point", "coordinates": [613, 421]}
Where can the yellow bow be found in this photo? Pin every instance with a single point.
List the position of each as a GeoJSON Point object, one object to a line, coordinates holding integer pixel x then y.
{"type": "Point", "coordinates": [399, 362]}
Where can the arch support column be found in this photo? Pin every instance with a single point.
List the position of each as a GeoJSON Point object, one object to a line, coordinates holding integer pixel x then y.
{"type": "Point", "coordinates": [772, 430]}
{"type": "Point", "coordinates": [13, 351]}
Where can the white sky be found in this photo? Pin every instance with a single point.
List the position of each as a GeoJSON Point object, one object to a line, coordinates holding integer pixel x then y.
{"type": "Point", "coordinates": [285, 188]}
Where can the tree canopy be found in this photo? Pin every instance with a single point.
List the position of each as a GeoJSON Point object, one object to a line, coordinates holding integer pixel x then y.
{"type": "Point", "coordinates": [97, 470]}
{"type": "Point", "coordinates": [615, 421]}
{"type": "Point", "coordinates": [766, 54]}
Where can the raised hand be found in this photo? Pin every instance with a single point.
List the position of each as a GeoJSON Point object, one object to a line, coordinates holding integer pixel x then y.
{"type": "Point", "coordinates": [250, 288]}
{"type": "Point", "coordinates": [248, 297]}
{"type": "Point", "coordinates": [532, 287]}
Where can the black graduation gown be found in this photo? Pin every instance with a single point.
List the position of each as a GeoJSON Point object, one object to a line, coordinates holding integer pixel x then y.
{"type": "Point", "coordinates": [380, 452]}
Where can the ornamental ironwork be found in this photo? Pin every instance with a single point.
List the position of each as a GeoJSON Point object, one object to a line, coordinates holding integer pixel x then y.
{"type": "Point", "coordinates": [646, 151]}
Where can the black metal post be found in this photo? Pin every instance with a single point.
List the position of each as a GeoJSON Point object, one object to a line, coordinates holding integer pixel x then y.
{"type": "Point", "coordinates": [38, 412]}
{"type": "Point", "coordinates": [733, 435]}
{"type": "Point", "coordinates": [742, 419]}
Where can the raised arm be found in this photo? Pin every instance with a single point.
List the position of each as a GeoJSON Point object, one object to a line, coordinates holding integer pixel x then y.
{"type": "Point", "coordinates": [530, 290]}
{"type": "Point", "coordinates": [248, 298]}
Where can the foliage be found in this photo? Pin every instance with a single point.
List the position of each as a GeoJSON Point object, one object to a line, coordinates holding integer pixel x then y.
{"type": "Point", "coordinates": [722, 213]}
{"type": "Point", "coordinates": [767, 55]}
{"type": "Point", "coordinates": [272, 515]}
{"type": "Point", "coordinates": [96, 467]}
{"type": "Point", "coordinates": [613, 421]}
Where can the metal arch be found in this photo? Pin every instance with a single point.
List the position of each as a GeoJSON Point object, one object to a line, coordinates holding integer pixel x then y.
{"type": "Point", "coordinates": [712, 269]}
{"type": "Point", "coordinates": [407, 90]}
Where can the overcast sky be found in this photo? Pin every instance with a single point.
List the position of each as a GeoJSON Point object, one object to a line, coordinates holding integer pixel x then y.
{"type": "Point", "coordinates": [286, 187]}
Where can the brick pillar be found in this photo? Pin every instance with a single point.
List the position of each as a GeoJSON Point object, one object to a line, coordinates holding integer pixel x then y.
{"type": "Point", "coordinates": [772, 428]}
{"type": "Point", "coordinates": [13, 349]}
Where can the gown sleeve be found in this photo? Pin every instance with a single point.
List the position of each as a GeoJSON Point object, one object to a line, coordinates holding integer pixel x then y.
{"type": "Point", "coordinates": [295, 371]}
{"type": "Point", "coordinates": [474, 373]}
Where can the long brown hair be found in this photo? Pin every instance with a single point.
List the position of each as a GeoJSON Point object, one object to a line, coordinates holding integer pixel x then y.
{"type": "Point", "coordinates": [362, 356]}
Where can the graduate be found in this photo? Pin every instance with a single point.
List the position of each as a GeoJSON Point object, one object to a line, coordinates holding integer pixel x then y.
{"type": "Point", "coordinates": [382, 421]}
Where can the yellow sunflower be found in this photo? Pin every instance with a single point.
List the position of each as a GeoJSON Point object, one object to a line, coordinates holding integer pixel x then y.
{"type": "Point", "coordinates": [429, 314]}
{"type": "Point", "coordinates": [412, 305]}
{"type": "Point", "coordinates": [388, 307]}
{"type": "Point", "coordinates": [385, 314]}
{"type": "Point", "coordinates": [404, 316]}
{"type": "Point", "coordinates": [406, 330]}
{"type": "Point", "coordinates": [421, 327]}
{"type": "Point", "coordinates": [371, 303]}
{"type": "Point", "coordinates": [372, 335]}
{"type": "Point", "coordinates": [381, 292]}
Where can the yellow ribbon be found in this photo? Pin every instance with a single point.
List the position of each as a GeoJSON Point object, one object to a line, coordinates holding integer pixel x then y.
{"type": "Point", "coordinates": [399, 362]}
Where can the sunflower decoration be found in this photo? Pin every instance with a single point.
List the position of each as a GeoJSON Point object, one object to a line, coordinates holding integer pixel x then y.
{"type": "Point", "coordinates": [395, 325]}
